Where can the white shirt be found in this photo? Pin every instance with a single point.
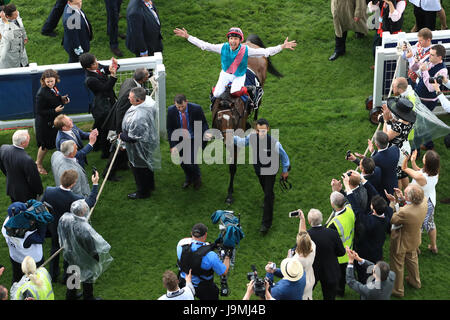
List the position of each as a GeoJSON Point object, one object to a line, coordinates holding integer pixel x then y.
{"type": "Point", "coordinates": [429, 189]}
{"type": "Point", "coordinates": [427, 5]}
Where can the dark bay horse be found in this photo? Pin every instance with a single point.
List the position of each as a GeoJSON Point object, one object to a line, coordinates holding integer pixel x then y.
{"type": "Point", "coordinates": [229, 112]}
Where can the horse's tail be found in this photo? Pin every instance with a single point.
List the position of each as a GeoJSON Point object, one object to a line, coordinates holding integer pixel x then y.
{"type": "Point", "coordinates": [255, 39]}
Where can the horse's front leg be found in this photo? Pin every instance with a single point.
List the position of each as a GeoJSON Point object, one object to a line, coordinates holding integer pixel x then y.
{"type": "Point", "coordinates": [232, 168]}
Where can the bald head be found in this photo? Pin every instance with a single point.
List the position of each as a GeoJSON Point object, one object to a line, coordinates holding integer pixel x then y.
{"type": "Point", "coordinates": [314, 217]}
{"type": "Point", "coordinates": [400, 85]}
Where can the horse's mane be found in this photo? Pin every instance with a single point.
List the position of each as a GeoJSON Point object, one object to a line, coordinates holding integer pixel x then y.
{"type": "Point", "coordinates": [256, 40]}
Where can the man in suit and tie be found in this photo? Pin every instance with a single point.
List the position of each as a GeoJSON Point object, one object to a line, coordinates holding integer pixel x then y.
{"type": "Point", "coordinates": [67, 130]}
{"type": "Point", "coordinates": [64, 160]}
{"type": "Point", "coordinates": [328, 248]}
{"type": "Point", "coordinates": [143, 28]}
{"type": "Point", "coordinates": [185, 115]}
{"type": "Point", "coordinates": [406, 235]}
{"type": "Point", "coordinates": [23, 181]}
{"type": "Point", "coordinates": [387, 159]}
{"type": "Point", "coordinates": [100, 80]}
{"type": "Point", "coordinates": [77, 30]}
{"type": "Point", "coordinates": [369, 170]}
{"type": "Point", "coordinates": [60, 198]}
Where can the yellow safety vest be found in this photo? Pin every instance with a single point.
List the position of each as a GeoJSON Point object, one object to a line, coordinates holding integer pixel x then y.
{"type": "Point", "coordinates": [45, 292]}
{"type": "Point", "coordinates": [412, 98]}
{"type": "Point", "coordinates": [345, 226]}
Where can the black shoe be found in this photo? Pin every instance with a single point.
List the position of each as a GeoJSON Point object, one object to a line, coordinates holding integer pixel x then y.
{"type": "Point", "coordinates": [122, 36]}
{"type": "Point", "coordinates": [117, 52]}
{"type": "Point", "coordinates": [185, 185]}
{"type": "Point", "coordinates": [134, 196]}
{"type": "Point", "coordinates": [335, 55]}
{"type": "Point", "coordinates": [359, 35]}
{"type": "Point", "coordinates": [197, 183]}
{"type": "Point", "coordinates": [76, 296]}
{"type": "Point", "coordinates": [264, 229]}
{"type": "Point", "coordinates": [49, 34]}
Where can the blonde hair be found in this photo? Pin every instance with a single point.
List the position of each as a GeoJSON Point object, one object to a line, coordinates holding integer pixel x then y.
{"type": "Point", "coordinates": [304, 246]}
{"type": "Point", "coordinates": [29, 269]}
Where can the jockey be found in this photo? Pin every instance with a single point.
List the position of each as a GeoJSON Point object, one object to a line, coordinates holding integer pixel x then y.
{"type": "Point", "coordinates": [234, 57]}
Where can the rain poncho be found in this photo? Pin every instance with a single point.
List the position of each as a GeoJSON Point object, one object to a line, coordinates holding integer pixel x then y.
{"type": "Point", "coordinates": [427, 126]}
{"type": "Point", "coordinates": [141, 123]}
{"type": "Point", "coordinates": [83, 247]}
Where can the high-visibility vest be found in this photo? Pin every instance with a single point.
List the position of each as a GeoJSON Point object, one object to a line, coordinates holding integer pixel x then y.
{"type": "Point", "coordinates": [345, 226]}
{"type": "Point", "coordinates": [411, 97]}
{"type": "Point", "coordinates": [45, 292]}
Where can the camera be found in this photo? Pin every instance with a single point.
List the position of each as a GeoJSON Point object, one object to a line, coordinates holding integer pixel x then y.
{"type": "Point", "coordinates": [259, 286]}
{"type": "Point", "coordinates": [94, 170]}
{"type": "Point", "coordinates": [294, 213]}
{"type": "Point", "coordinates": [380, 118]}
{"type": "Point", "coordinates": [348, 154]}
{"type": "Point", "coordinates": [438, 79]}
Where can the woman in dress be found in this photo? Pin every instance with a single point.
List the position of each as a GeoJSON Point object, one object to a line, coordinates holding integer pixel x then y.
{"type": "Point", "coordinates": [305, 252]}
{"type": "Point", "coordinates": [399, 118]}
{"type": "Point", "coordinates": [427, 178]}
{"type": "Point", "coordinates": [49, 104]}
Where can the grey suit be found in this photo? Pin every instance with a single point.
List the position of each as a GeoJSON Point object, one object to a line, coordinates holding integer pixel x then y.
{"type": "Point", "coordinates": [375, 290]}
{"type": "Point", "coordinates": [60, 164]}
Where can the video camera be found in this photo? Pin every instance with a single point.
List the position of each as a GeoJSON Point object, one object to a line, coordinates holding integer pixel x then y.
{"type": "Point", "coordinates": [259, 286]}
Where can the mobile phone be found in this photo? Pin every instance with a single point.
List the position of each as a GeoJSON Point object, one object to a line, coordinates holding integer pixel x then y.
{"type": "Point", "coordinates": [294, 214]}
{"type": "Point", "coordinates": [94, 170]}
{"type": "Point", "coordinates": [348, 154]}
{"type": "Point", "coordinates": [405, 153]}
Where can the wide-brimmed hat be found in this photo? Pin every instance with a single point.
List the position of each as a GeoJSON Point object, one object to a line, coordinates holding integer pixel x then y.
{"type": "Point", "coordinates": [291, 269]}
{"type": "Point", "coordinates": [402, 108]}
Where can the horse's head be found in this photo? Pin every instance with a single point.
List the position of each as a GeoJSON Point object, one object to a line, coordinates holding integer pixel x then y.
{"type": "Point", "coordinates": [228, 113]}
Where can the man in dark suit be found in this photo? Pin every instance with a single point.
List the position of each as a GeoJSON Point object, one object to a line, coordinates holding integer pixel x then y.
{"type": "Point", "coordinates": [23, 181]}
{"type": "Point", "coordinates": [184, 115]}
{"type": "Point", "coordinates": [77, 30]}
{"type": "Point", "coordinates": [387, 159]}
{"type": "Point", "coordinates": [69, 131]}
{"type": "Point", "coordinates": [143, 28]}
{"type": "Point", "coordinates": [369, 171]}
{"type": "Point", "coordinates": [48, 29]}
{"type": "Point", "coordinates": [328, 248]}
{"type": "Point", "coordinates": [60, 198]}
{"type": "Point", "coordinates": [100, 80]}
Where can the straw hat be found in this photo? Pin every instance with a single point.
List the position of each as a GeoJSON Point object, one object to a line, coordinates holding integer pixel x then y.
{"type": "Point", "coordinates": [291, 269]}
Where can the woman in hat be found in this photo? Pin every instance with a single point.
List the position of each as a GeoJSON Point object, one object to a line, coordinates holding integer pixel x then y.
{"type": "Point", "coordinates": [427, 178]}
{"type": "Point", "coordinates": [399, 118]}
{"type": "Point", "coordinates": [234, 57]}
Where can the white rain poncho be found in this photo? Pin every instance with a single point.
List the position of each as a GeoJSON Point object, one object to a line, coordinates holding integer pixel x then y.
{"type": "Point", "coordinates": [83, 247]}
{"type": "Point", "coordinates": [141, 123]}
{"type": "Point", "coordinates": [427, 126]}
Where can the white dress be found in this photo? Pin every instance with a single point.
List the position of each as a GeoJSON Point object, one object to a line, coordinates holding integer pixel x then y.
{"type": "Point", "coordinates": [307, 263]}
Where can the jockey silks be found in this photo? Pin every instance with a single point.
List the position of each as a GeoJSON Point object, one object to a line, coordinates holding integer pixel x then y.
{"type": "Point", "coordinates": [238, 57]}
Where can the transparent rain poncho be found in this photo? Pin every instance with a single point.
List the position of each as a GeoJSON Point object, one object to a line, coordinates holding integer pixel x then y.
{"type": "Point", "coordinates": [141, 124]}
{"type": "Point", "coordinates": [427, 126]}
{"type": "Point", "coordinates": [83, 247]}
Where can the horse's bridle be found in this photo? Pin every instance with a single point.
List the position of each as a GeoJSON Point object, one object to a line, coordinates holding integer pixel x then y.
{"type": "Point", "coordinates": [227, 117]}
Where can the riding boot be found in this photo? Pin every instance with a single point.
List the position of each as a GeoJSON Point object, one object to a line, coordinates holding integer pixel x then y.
{"type": "Point", "coordinates": [339, 48]}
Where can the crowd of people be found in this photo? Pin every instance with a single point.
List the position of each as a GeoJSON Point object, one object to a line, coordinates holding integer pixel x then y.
{"type": "Point", "coordinates": [387, 199]}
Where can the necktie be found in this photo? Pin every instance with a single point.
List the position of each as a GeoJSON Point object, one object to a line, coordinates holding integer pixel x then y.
{"type": "Point", "coordinates": [99, 72]}
{"type": "Point", "coordinates": [183, 117]}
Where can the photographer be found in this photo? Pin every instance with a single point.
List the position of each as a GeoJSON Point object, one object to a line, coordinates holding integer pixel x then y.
{"type": "Point", "coordinates": [445, 103]}
{"type": "Point", "coordinates": [292, 285]}
{"type": "Point", "coordinates": [251, 290]}
{"type": "Point", "coordinates": [196, 254]}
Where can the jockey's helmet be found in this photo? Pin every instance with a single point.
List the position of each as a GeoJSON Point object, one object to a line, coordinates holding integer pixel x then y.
{"type": "Point", "coordinates": [235, 32]}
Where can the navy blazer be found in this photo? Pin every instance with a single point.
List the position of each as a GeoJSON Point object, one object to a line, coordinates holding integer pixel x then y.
{"type": "Point", "coordinates": [195, 113]}
{"type": "Point", "coordinates": [143, 30]}
{"type": "Point", "coordinates": [76, 31]}
{"type": "Point", "coordinates": [387, 160]}
{"type": "Point", "coordinates": [376, 180]}
{"type": "Point", "coordinates": [80, 136]}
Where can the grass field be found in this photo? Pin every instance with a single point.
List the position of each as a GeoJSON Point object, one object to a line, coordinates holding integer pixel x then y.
{"type": "Point", "coordinates": [318, 107]}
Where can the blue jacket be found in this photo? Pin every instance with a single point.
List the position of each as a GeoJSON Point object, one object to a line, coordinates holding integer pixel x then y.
{"type": "Point", "coordinates": [80, 136]}
{"type": "Point", "coordinates": [387, 160]}
{"type": "Point", "coordinates": [285, 289]}
{"type": "Point", "coordinates": [76, 31]}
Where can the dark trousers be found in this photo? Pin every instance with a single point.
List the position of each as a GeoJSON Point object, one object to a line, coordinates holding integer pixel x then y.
{"type": "Point", "coordinates": [17, 273]}
{"type": "Point", "coordinates": [145, 181]}
{"type": "Point", "coordinates": [340, 43]}
{"type": "Point", "coordinates": [88, 292]}
{"type": "Point", "coordinates": [267, 182]}
{"type": "Point", "coordinates": [425, 19]}
{"type": "Point", "coordinates": [206, 290]}
{"type": "Point", "coordinates": [73, 57]}
{"type": "Point", "coordinates": [54, 264]}
{"type": "Point", "coordinates": [377, 41]}
{"type": "Point", "coordinates": [112, 15]}
{"type": "Point", "coordinates": [102, 142]}
{"type": "Point", "coordinates": [341, 283]}
{"type": "Point", "coordinates": [54, 16]}
{"type": "Point", "coordinates": [121, 162]}
{"type": "Point", "coordinates": [328, 289]}
{"type": "Point", "coordinates": [190, 168]}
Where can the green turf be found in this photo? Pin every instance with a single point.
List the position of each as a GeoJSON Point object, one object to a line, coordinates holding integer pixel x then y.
{"type": "Point", "coordinates": [318, 106]}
